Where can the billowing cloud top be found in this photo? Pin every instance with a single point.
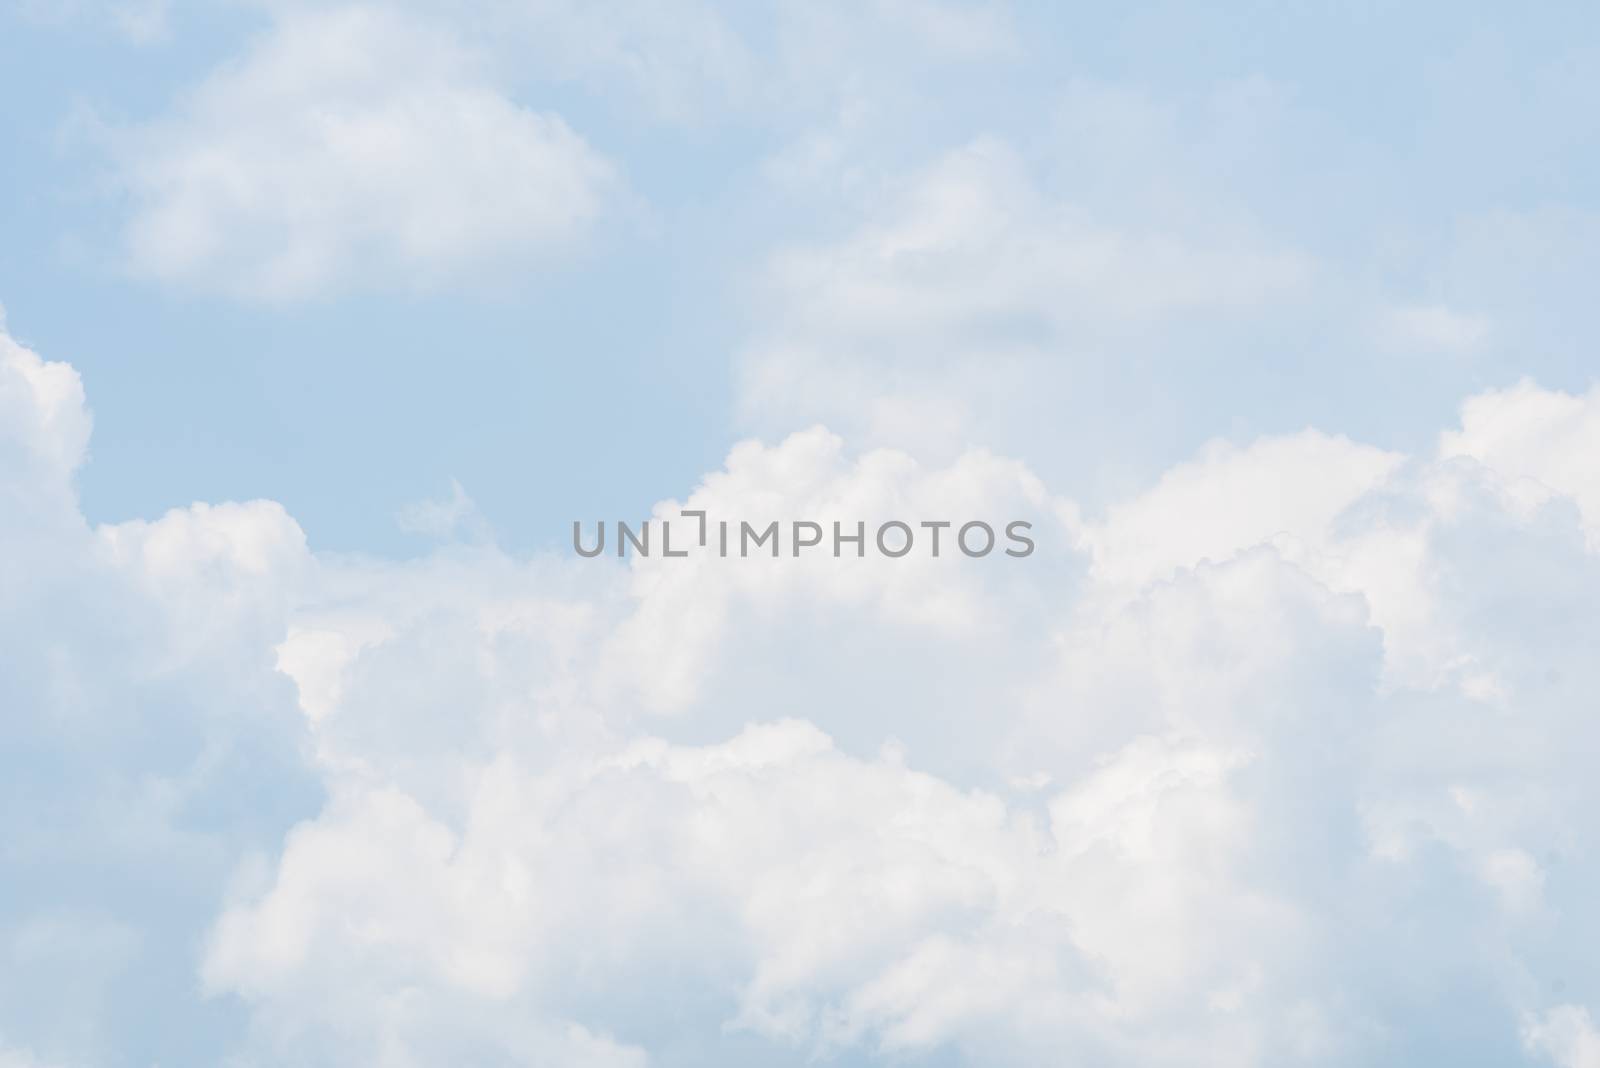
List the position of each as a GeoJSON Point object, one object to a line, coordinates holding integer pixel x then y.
{"type": "Point", "coordinates": [1269, 762]}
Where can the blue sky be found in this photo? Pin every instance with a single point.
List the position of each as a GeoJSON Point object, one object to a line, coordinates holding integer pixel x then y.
{"type": "Point", "coordinates": [1374, 141]}
{"type": "Point", "coordinates": [324, 320]}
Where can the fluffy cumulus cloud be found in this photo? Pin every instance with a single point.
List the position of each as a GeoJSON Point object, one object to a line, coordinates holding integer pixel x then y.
{"type": "Point", "coordinates": [354, 146]}
{"type": "Point", "coordinates": [970, 283]}
{"type": "Point", "coordinates": [1545, 442]}
{"type": "Point", "coordinates": [1285, 758]}
{"type": "Point", "coordinates": [150, 742]}
{"type": "Point", "coordinates": [694, 616]}
{"type": "Point", "coordinates": [351, 147]}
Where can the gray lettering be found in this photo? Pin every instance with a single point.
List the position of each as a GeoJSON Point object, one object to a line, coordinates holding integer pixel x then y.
{"type": "Point", "coordinates": [798, 544]}
{"type": "Point", "coordinates": [599, 545]}
{"type": "Point", "coordinates": [905, 546]}
{"type": "Point", "coordinates": [1011, 532]}
{"type": "Point", "coordinates": [936, 525]}
{"type": "Point", "coordinates": [746, 530]}
{"type": "Point", "coordinates": [859, 537]}
{"type": "Point", "coordinates": [961, 537]}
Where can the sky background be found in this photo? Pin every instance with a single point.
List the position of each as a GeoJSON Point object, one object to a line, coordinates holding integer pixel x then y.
{"type": "Point", "coordinates": [323, 322]}
{"type": "Point", "coordinates": [1437, 158]}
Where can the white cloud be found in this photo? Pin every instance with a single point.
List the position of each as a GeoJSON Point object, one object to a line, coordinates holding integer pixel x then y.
{"type": "Point", "coordinates": [672, 644]}
{"type": "Point", "coordinates": [972, 293]}
{"type": "Point", "coordinates": [1223, 758]}
{"type": "Point", "coordinates": [351, 148]}
{"type": "Point", "coordinates": [1232, 498]}
{"type": "Point", "coordinates": [149, 742]}
{"type": "Point", "coordinates": [1565, 1036]}
{"type": "Point", "coordinates": [355, 146]}
{"type": "Point", "coordinates": [852, 899]}
{"type": "Point", "coordinates": [1248, 838]}
{"type": "Point", "coordinates": [47, 426]}
{"type": "Point", "coordinates": [1545, 439]}
{"type": "Point", "coordinates": [444, 519]}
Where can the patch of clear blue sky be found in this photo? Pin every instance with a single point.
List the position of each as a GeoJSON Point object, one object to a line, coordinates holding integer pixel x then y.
{"type": "Point", "coordinates": [597, 386]}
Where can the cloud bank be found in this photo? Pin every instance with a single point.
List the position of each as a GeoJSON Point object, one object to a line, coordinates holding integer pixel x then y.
{"type": "Point", "coordinates": [1282, 760]}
